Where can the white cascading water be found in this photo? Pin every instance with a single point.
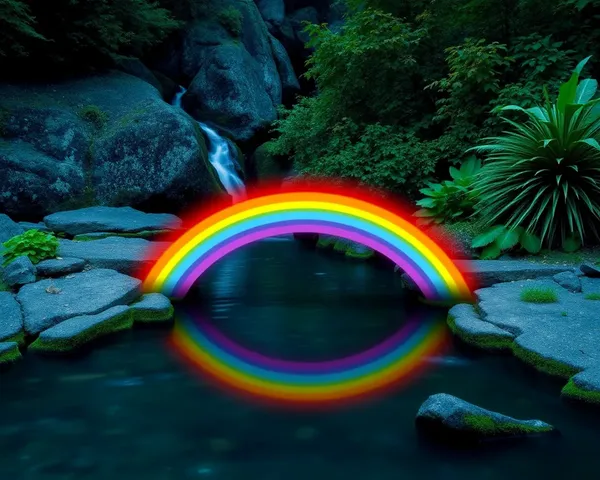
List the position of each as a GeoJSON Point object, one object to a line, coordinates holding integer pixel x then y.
{"type": "Point", "coordinates": [220, 157]}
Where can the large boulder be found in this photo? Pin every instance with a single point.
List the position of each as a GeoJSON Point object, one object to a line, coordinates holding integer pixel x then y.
{"type": "Point", "coordinates": [236, 85]}
{"type": "Point", "coordinates": [109, 219]}
{"type": "Point", "coordinates": [272, 11]}
{"type": "Point", "coordinates": [108, 139]}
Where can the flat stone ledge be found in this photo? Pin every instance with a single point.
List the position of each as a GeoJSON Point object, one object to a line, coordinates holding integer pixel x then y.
{"type": "Point", "coordinates": [58, 267]}
{"type": "Point", "coordinates": [109, 219]}
{"type": "Point", "coordinates": [11, 319]}
{"type": "Point", "coordinates": [76, 332]}
{"type": "Point", "coordinates": [9, 352]}
{"type": "Point", "coordinates": [468, 326]}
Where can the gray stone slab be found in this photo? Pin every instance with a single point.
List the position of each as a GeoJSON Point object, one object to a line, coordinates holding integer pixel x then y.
{"type": "Point", "coordinates": [77, 331]}
{"type": "Point", "coordinates": [559, 338]}
{"type": "Point", "coordinates": [467, 324]}
{"type": "Point", "coordinates": [109, 219]}
{"type": "Point", "coordinates": [19, 272]}
{"type": "Point", "coordinates": [49, 302]}
{"type": "Point", "coordinates": [568, 280]}
{"type": "Point", "coordinates": [57, 267]}
{"type": "Point", "coordinates": [11, 318]}
{"type": "Point", "coordinates": [491, 272]}
{"type": "Point", "coordinates": [125, 255]}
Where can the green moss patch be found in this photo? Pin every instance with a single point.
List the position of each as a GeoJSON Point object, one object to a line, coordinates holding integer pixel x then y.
{"type": "Point", "coordinates": [539, 295]}
{"type": "Point", "coordinates": [58, 339]}
{"type": "Point", "coordinates": [488, 426]}
{"type": "Point", "coordinates": [573, 391]}
{"type": "Point", "coordinates": [326, 241]}
{"type": "Point", "coordinates": [592, 296]}
{"type": "Point", "coordinates": [486, 342]}
{"type": "Point", "coordinates": [546, 365]}
{"type": "Point", "coordinates": [9, 352]}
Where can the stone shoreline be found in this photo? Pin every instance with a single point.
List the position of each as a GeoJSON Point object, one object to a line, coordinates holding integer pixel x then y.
{"type": "Point", "coordinates": [61, 304]}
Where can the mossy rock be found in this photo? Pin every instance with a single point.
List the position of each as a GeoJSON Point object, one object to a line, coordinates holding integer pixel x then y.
{"type": "Point", "coordinates": [579, 389]}
{"type": "Point", "coordinates": [464, 322]}
{"type": "Point", "coordinates": [450, 419]}
{"type": "Point", "coordinates": [358, 251]}
{"type": "Point", "coordinates": [152, 308]}
{"type": "Point", "coordinates": [326, 242]}
{"type": "Point", "coordinates": [78, 331]}
{"type": "Point", "coordinates": [9, 352]}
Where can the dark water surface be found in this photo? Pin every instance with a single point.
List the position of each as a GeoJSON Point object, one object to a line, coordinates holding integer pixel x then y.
{"type": "Point", "coordinates": [131, 410]}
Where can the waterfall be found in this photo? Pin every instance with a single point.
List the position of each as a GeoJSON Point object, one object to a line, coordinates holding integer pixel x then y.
{"type": "Point", "coordinates": [220, 157]}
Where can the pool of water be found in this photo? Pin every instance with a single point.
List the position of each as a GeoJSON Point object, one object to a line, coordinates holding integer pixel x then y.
{"type": "Point", "coordinates": [132, 409]}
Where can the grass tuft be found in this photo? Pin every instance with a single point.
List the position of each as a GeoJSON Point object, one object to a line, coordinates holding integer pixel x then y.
{"type": "Point", "coordinates": [539, 295]}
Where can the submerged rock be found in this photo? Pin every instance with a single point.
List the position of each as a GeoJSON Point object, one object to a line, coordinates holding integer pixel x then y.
{"type": "Point", "coordinates": [449, 418]}
{"type": "Point", "coordinates": [11, 319]}
{"type": "Point", "coordinates": [49, 302]}
{"type": "Point", "coordinates": [75, 332]}
{"type": "Point", "coordinates": [109, 219]}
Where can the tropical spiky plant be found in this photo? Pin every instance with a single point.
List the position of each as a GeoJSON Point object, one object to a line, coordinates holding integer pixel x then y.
{"type": "Point", "coordinates": [544, 175]}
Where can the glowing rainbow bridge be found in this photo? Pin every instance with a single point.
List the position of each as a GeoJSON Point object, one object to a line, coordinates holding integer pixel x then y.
{"type": "Point", "coordinates": [307, 212]}
{"type": "Point", "coordinates": [393, 361]}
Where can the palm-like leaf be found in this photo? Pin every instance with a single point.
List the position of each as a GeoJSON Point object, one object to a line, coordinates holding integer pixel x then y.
{"type": "Point", "coordinates": [544, 175]}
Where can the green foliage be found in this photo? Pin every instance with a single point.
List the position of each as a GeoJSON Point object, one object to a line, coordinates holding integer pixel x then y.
{"type": "Point", "coordinates": [94, 115]}
{"type": "Point", "coordinates": [593, 296]}
{"type": "Point", "coordinates": [231, 18]}
{"type": "Point", "coordinates": [543, 175]}
{"type": "Point", "coordinates": [78, 33]}
{"type": "Point", "coordinates": [451, 200]}
{"type": "Point", "coordinates": [16, 28]}
{"type": "Point", "coordinates": [34, 244]}
{"type": "Point", "coordinates": [498, 239]}
{"type": "Point", "coordinates": [538, 295]}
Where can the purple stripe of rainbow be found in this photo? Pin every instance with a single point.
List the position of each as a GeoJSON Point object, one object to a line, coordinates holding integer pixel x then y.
{"type": "Point", "coordinates": [199, 266]}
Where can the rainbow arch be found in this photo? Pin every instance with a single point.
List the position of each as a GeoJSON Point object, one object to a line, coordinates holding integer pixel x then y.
{"type": "Point", "coordinates": [379, 228]}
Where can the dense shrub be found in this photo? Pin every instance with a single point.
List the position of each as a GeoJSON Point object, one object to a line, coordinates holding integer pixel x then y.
{"type": "Point", "coordinates": [543, 175]}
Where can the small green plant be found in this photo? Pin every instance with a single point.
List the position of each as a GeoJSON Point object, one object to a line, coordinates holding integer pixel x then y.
{"type": "Point", "coordinates": [539, 295]}
{"type": "Point", "coordinates": [450, 200]}
{"type": "Point", "coordinates": [499, 239]}
{"type": "Point", "coordinates": [564, 314]}
{"type": "Point", "coordinates": [592, 296]}
{"type": "Point", "coordinates": [231, 18]}
{"type": "Point", "coordinates": [34, 244]}
{"type": "Point", "coordinates": [94, 115]}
